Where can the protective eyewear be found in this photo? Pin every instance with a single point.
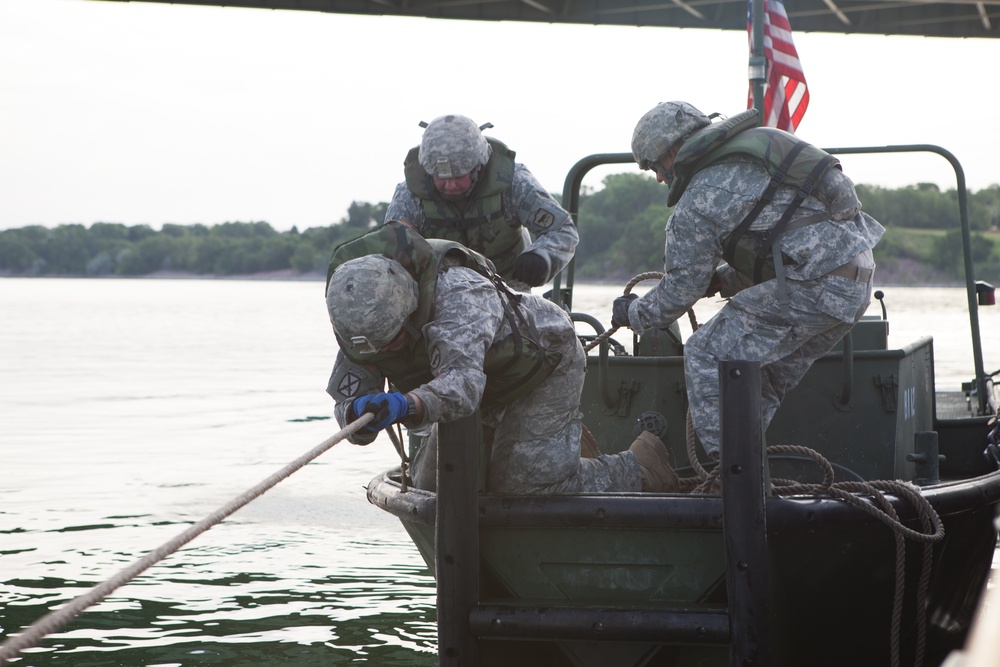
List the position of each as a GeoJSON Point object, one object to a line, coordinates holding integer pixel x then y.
{"type": "Point", "coordinates": [661, 171]}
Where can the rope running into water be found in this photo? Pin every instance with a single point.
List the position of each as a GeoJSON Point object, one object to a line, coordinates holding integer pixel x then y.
{"type": "Point", "coordinates": [57, 619]}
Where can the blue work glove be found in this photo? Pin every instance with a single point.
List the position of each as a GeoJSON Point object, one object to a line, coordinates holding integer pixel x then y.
{"type": "Point", "coordinates": [531, 268]}
{"type": "Point", "coordinates": [619, 310]}
{"type": "Point", "coordinates": [388, 409]}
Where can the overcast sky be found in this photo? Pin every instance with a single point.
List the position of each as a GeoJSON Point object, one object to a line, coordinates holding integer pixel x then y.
{"type": "Point", "coordinates": [149, 113]}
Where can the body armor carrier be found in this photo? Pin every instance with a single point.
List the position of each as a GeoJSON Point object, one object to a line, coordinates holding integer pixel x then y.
{"type": "Point", "coordinates": [789, 160]}
{"type": "Point", "coordinates": [513, 367]}
{"type": "Point", "coordinates": [478, 221]}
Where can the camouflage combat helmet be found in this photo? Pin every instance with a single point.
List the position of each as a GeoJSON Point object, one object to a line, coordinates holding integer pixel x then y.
{"type": "Point", "coordinates": [662, 127]}
{"type": "Point", "coordinates": [452, 146]}
{"type": "Point", "coordinates": [369, 299]}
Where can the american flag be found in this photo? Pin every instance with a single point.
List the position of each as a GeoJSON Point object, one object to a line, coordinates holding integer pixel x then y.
{"type": "Point", "coordinates": [785, 95]}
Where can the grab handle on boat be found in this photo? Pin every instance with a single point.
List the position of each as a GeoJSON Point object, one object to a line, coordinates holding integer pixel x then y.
{"type": "Point", "coordinates": [602, 363]}
{"type": "Point", "coordinates": [843, 399]}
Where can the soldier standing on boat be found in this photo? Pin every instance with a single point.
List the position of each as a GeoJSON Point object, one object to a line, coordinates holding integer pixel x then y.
{"type": "Point", "coordinates": [465, 187]}
{"type": "Point", "coordinates": [433, 318]}
{"type": "Point", "coordinates": [797, 250]}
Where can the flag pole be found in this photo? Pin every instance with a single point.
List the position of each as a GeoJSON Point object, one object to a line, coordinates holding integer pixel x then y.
{"type": "Point", "coordinates": [758, 63]}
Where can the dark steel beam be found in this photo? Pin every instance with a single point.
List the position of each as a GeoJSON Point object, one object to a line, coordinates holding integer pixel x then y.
{"type": "Point", "coordinates": [744, 521]}
{"type": "Point", "coordinates": [457, 542]}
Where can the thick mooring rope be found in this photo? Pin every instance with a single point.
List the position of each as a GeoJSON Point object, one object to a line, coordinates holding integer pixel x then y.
{"type": "Point", "coordinates": [648, 275]}
{"type": "Point", "coordinates": [57, 619]}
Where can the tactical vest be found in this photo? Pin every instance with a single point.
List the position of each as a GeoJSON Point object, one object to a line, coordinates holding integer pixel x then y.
{"type": "Point", "coordinates": [513, 367]}
{"type": "Point", "coordinates": [789, 161]}
{"type": "Point", "coordinates": [477, 222]}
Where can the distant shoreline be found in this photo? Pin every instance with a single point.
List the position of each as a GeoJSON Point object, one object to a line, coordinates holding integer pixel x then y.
{"type": "Point", "coordinates": [895, 272]}
{"type": "Point", "coordinates": [285, 275]}
{"type": "Point", "coordinates": [891, 278]}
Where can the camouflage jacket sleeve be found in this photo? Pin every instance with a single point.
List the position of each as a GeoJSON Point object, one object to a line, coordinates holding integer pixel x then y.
{"type": "Point", "coordinates": [405, 206]}
{"type": "Point", "coordinates": [692, 252]}
{"type": "Point", "coordinates": [713, 205]}
{"type": "Point", "coordinates": [348, 381]}
{"type": "Point", "coordinates": [467, 319]}
{"type": "Point", "coordinates": [555, 236]}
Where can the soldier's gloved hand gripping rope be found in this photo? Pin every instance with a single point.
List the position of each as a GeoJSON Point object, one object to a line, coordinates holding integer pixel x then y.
{"type": "Point", "coordinates": [388, 408]}
{"type": "Point", "coordinates": [619, 310]}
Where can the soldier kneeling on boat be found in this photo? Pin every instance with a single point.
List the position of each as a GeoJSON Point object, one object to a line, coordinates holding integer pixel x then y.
{"type": "Point", "coordinates": [434, 319]}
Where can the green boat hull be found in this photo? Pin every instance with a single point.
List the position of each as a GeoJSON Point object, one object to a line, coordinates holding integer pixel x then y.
{"type": "Point", "coordinates": [657, 580]}
{"type": "Point", "coordinates": [653, 565]}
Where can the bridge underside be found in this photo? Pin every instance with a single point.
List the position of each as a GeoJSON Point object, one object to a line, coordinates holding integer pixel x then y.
{"type": "Point", "coordinates": [947, 18]}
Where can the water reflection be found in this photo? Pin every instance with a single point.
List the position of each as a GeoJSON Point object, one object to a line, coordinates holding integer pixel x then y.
{"type": "Point", "coordinates": [177, 397]}
{"type": "Point", "coordinates": [194, 609]}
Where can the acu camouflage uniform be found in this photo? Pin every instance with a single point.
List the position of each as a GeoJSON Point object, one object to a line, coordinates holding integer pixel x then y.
{"type": "Point", "coordinates": [535, 438]}
{"type": "Point", "coordinates": [525, 207]}
{"type": "Point", "coordinates": [786, 338]}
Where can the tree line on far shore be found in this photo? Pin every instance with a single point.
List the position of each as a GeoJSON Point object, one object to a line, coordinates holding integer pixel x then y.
{"type": "Point", "coordinates": [621, 235]}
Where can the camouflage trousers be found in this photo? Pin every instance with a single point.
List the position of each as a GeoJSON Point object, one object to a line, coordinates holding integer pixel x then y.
{"type": "Point", "coordinates": [751, 327]}
{"type": "Point", "coordinates": [535, 443]}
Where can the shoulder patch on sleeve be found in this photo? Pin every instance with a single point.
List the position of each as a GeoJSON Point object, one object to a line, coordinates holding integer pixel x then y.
{"type": "Point", "coordinates": [541, 214]}
{"type": "Point", "coordinates": [349, 384]}
{"type": "Point", "coordinates": [348, 381]}
{"type": "Point", "coordinates": [544, 218]}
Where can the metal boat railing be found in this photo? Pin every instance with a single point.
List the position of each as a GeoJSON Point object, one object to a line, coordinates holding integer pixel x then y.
{"type": "Point", "coordinates": [574, 181]}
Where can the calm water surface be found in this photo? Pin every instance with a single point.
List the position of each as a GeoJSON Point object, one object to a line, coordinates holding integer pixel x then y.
{"type": "Point", "coordinates": [130, 409]}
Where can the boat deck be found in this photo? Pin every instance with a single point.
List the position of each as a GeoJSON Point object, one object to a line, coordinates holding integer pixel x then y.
{"type": "Point", "coordinates": [953, 405]}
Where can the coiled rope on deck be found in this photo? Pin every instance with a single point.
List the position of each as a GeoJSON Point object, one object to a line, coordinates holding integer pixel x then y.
{"type": "Point", "coordinates": [57, 619]}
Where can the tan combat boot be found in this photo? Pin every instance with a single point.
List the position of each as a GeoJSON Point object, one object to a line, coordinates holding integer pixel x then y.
{"type": "Point", "coordinates": [588, 445]}
{"type": "Point", "coordinates": [654, 462]}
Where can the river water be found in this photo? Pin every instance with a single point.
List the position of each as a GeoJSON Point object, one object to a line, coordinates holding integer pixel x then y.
{"type": "Point", "coordinates": [129, 409]}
